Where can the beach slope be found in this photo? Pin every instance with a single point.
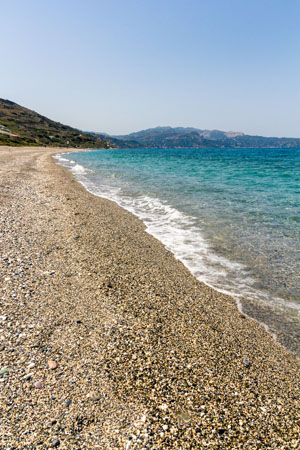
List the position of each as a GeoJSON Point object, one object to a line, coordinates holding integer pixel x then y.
{"type": "Point", "coordinates": [108, 342]}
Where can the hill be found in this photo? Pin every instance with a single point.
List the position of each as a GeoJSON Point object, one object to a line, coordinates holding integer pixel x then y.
{"type": "Point", "coordinates": [164, 137]}
{"type": "Point", "coordinates": [22, 126]}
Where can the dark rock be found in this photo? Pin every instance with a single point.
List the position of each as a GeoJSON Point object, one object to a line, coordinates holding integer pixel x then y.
{"type": "Point", "coordinates": [55, 443]}
{"type": "Point", "coordinates": [221, 431]}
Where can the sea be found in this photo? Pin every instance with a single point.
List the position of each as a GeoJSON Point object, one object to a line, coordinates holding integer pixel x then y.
{"type": "Point", "coordinates": [232, 216]}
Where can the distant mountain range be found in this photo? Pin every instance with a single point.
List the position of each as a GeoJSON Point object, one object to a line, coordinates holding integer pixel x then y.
{"type": "Point", "coordinates": [22, 126]}
{"type": "Point", "coordinates": [168, 137]}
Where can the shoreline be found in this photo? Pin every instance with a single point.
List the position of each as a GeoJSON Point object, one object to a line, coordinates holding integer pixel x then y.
{"type": "Point", "coordinates": [146, 354]}
{"type": "Point", "coordinates": [252, 313]}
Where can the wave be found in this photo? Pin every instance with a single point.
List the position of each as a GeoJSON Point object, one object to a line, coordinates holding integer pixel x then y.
{"type": "Point", "coordinates": [72, 165]}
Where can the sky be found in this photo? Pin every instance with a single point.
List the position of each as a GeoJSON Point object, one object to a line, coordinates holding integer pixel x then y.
{"type": "Point", "coordinates": [119, 66]}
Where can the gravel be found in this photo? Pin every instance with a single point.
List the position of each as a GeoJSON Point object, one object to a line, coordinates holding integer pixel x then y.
{"type": "Point", "coordinates": [145, 356]}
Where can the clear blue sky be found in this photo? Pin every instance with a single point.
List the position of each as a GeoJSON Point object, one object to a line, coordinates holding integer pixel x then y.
{"type": "Point", "coordinates": [123, 65]}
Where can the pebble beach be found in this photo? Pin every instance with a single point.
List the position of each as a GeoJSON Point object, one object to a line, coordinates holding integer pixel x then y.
{"type": "Point", "coordinates": [108, 342]}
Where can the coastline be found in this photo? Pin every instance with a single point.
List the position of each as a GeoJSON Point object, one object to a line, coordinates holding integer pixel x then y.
{"type": "Point", "coordinates": [146, 354]}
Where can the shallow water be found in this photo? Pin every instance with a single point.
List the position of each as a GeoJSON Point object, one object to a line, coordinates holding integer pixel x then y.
{"type": "Point", "coordinates": [232, 216]}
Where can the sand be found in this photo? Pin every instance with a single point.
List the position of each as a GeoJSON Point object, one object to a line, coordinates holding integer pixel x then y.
{"type": "Point", "coordinates": [108, 342]}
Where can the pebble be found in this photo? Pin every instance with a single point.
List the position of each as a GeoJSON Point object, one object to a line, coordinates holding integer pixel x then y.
{"type": "Point", "coordinates": [246, 363]}
{"type": "Point", "coordinates": [55, 443]}
{"type": "Point", "coordinates": [35, 345]}
{"type": "Point", "coordinates": [52, 364]}
{"type": "Point", "coordinates": [4, 370]}
{"type": "Point", "coordinates": [38, 385]}
{"type": "Point", "coordinates": [28, 376]}
{"type": "Point", "coordinates": [68, 403]}
{"type": "Point", "coordinates": [93, 396]}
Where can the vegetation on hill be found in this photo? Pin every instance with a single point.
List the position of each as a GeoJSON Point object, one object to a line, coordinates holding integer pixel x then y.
{"type": "Point", "coordinates": [21, 126]}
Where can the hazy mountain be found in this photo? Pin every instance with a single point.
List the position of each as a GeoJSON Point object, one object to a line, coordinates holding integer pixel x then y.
{"type": "Point", "coordinates": [115, 142]}
{"type": "Point", "coordinates": [164, 137]}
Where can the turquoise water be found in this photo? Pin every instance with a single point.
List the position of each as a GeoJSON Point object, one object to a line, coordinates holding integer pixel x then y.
{"type": "Point", "coordinates": [232, 216]}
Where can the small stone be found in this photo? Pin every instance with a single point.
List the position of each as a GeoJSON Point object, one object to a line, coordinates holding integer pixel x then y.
{"type": "Point", "coordinates": [68, 403]}
{"type": "Point", "coordinates": [52, 364]}
{"type": "Point", "coordinates": [163, 407]}
{"type": "Point", "coordinates": [4, 370]}
{"type": "Point", "coordinates": [246, 363]}
{"type": "Point", "coordinates": [28, 376]}
{"type": "Point", "coordinates": [93, 396]}
{"type": "Point", "coordinates": [35, 345]}
{"type": "Point", "coordinates": [38, 385]}
{"type": "Point", "coordinates": [221, 431]}
{"type": "Point", "coordinates": [31, 365]}
{"type": "Point", "coordinates": [55, 443]}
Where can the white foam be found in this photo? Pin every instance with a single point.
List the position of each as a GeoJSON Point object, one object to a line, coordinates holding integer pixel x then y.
{"type": "Point", "coordinates": [61, 159]}
{"type": "Point", "coordinates": [78, 169]}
